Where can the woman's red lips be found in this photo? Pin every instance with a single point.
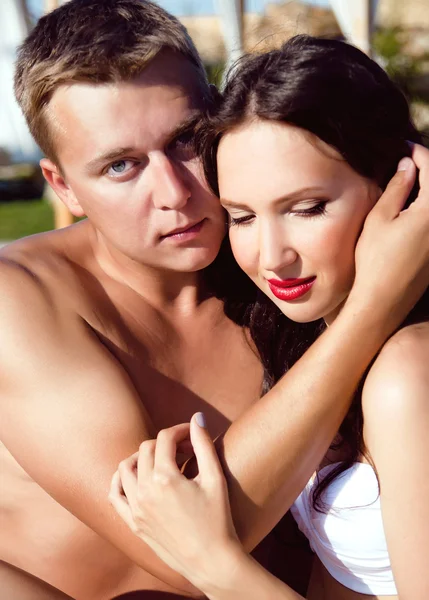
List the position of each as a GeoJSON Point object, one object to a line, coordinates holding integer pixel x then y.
{"type": "Point", "coordinates": [290, 289]}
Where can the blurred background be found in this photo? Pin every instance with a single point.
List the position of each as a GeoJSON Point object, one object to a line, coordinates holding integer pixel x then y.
{"type": "Point", "coordinates": [393, 32]}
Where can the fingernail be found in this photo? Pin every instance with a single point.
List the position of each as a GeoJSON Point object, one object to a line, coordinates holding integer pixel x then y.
{"type": "Point", "coordinates": [404, 164]}
{"type": "Point", "coordinates": [201, 420]}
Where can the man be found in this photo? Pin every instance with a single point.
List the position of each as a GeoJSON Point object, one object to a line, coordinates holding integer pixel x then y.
{"type": "Point", "coordinates": [110, 331]}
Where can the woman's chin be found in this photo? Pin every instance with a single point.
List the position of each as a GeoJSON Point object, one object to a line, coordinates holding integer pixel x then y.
{"type": "Point", "coordinates": [306, 314]}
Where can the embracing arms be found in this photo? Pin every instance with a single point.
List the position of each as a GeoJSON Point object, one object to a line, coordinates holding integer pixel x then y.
{"type": "Point", "coordinates": [60, 385]}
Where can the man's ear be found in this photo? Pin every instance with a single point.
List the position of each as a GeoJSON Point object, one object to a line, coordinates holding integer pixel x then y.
{"type": "Point", "coordinates": [56, 180]}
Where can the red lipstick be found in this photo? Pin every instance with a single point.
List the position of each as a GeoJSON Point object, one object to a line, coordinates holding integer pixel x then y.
{"type": "Point", "coordinates": [290, 289]}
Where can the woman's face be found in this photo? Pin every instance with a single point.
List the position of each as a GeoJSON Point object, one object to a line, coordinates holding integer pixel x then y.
{"type": "Point", "coordinates": [296, 210]}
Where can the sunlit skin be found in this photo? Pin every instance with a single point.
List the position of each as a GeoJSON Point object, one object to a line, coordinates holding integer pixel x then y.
{"type": "Point", "coordinates": [296, 209]}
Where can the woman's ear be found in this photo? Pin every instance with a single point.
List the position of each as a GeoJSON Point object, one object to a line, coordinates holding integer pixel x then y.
{"type": "Point", "coordinates": [58, 183]}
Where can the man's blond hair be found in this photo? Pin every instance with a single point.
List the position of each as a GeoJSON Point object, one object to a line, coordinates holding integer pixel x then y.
{"type": "Point", "coordinates": [95, 41]}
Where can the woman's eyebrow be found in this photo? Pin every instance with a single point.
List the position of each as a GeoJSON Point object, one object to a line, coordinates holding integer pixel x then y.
{"type": "Point", "coordinates": [237, 205]}
{"type": "Point", "coordinates": [300, 194]}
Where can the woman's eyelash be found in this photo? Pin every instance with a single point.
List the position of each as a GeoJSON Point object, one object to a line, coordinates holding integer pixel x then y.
{"type": "Point", "coordinates": [240, 220]}
{"type": "Point", "coordinates": [318, 209]}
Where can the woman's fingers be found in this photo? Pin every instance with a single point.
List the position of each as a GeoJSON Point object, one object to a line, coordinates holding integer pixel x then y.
{"type": "Point", "coordinates": [119, 501]}
{"type": "Point", "coordinates": [146, 460]}
{"type": "Point", "coordinates": [420, 156]}
{"type": "Point", "coordinates": [167, 444]}
{"type": "Point", "coordinates": [209, 467]}
{"type": "Point", "coordinates": [394, 197]}
{"type": "Point", "coordinates": [127, 470]}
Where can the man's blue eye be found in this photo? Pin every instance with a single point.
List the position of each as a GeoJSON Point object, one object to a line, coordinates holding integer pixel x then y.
{"type": "Point", "coordinates": [119, 167]}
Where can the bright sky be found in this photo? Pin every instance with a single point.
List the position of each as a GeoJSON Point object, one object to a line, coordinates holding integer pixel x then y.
{"type": "Point", "coordinates": [191, 7]}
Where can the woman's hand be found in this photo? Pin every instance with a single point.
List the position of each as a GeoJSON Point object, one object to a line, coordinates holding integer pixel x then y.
{"type": "Point", "coordinates": [186, 522]}
{"type": "Point", "coordinates": [387, 278]}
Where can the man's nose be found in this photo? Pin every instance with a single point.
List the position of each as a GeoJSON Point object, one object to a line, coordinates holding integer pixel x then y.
{"type": "Point", "coordinates": [170, 189]}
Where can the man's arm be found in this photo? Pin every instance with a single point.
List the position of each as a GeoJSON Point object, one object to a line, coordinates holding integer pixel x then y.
{"type": "Point", "coordinates": [69, 413]}
{"type": "Point", "coordinates": [270, 452]}
{"type": "Point", "coordinates": [18, 585]}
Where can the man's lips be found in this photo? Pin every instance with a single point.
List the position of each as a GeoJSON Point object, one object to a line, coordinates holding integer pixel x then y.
{"type": "Point", "coordinates": [186, 229]}
{"type": "Point", "coordinates": [290, 289]}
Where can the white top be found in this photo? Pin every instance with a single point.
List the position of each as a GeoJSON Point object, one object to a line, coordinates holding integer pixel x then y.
{"type": "Point", "coordinates": [349, 539]}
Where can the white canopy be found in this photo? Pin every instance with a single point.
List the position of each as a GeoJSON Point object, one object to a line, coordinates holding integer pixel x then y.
{"type": "Point", "coordinates": [356, 19]}
{"type": "Point", "coordinates": [15, 138]}
{"type": "Point", "coordinates": [231, 13]}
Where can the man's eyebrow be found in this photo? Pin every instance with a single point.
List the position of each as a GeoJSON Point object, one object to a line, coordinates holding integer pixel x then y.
{"type": "Point", "coordinates": [112, 155]}
{"type": "Point", "coordinates": [301, 194]}
{"type": "Point", "coordinates": [187, 125]}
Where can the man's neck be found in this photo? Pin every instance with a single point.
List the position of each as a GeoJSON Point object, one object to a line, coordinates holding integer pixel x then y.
{"type": "Point", "coordinates": [171, 292]}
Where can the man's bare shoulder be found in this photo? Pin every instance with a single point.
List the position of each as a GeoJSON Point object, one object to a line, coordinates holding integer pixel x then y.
{"type": "Point", "coordinates": [49, 258]}
{"type": "Point", "coordinates": [42, 300]}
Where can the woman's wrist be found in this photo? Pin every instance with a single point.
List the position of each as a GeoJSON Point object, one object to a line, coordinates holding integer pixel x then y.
{"type": "Point", "coordinates": [218, 576]}
{"type": "Point", "coordinates": [240, 577]}
{"type": "Point", "coordinates": [370, 319]}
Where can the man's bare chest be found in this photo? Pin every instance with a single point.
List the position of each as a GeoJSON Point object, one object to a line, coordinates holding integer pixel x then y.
{"type": "Point", "coordinates": [214, 371]}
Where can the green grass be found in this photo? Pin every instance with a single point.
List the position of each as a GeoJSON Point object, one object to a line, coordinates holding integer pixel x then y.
{"type": "Point", "coordinates": [21, 218]}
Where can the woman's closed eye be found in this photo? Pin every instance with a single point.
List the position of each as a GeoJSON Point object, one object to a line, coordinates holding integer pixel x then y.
{"type": "Point", "coordinates": [312, 211]}
{"type": "Point", "coordinates": [245, 220]}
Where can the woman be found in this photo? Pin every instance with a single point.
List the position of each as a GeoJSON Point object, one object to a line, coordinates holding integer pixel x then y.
{"type": "Point", "coordinates": [299, 151]}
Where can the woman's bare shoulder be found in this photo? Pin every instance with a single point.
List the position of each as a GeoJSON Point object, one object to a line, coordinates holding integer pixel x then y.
{"type": "Point", "coordinates": [397, 385]}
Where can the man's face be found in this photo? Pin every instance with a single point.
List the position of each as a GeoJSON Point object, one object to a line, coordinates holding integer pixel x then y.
{"type": "Point", "coordinates": [139, 184]}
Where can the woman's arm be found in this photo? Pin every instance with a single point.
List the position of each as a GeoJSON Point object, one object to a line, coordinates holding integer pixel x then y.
{"type": "Point", "coordinates": [188, 522]}
{"type": "Point", "coordinates": [396, 433]}
{"type": "Point", "coordinates": [270, 452]}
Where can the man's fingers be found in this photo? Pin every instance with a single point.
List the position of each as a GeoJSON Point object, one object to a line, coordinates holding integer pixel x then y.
{"type": "Point", "coordinates": [209, 467]}
{"type": "Point", "coordinates": [166, 448]}
{"type": "Point", "coordinates": [394, 197]}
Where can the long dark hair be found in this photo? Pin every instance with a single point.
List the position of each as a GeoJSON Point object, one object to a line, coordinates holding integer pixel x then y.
{"type": "Point", "coordinates": [336, 92]}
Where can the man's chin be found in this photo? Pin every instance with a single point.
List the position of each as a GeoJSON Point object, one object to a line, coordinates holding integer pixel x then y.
{"type": "Point", "coordinates": [197, 259]}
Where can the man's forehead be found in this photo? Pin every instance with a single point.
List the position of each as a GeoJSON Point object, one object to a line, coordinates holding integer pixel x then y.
{"type": "Point", "coordinates": [103, 117]}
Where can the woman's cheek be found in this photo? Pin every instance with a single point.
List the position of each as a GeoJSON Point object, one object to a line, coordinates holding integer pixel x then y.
{"type": "Point", "coordinates": [339, 248]}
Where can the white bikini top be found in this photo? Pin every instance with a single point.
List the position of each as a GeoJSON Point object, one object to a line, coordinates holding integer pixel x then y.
{"type": "Point", "coordinates": [349, 539]}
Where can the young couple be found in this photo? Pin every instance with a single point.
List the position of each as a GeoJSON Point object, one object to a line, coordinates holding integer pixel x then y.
{"type": "Point", "coordinates": [116, 329]}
